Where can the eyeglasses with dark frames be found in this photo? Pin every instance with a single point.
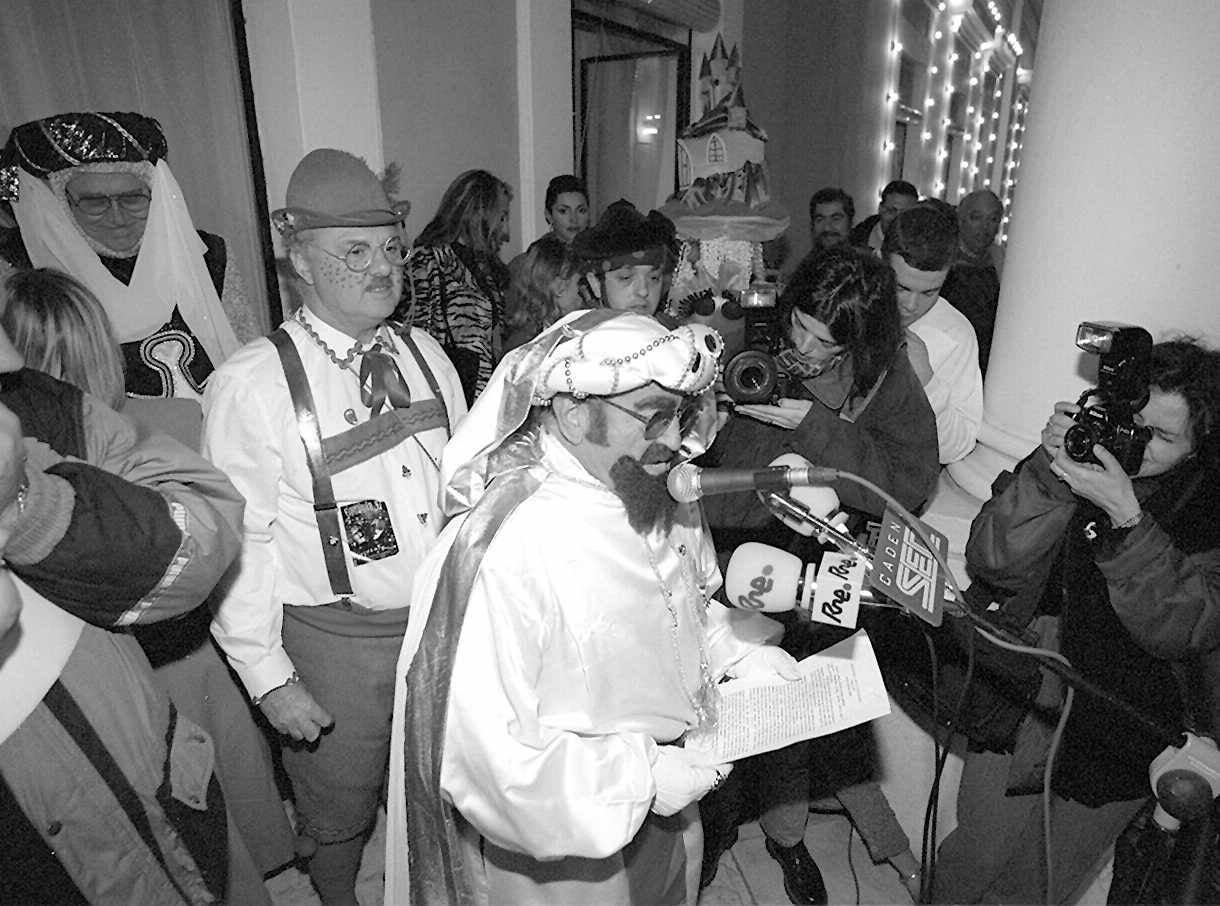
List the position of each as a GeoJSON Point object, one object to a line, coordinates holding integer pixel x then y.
{"type": "Point", "coordinates": [359, 255]}
{"type": "Point", "coordinates": [658, 423]}
{"type": "Point", "coordinates": [134, 203]}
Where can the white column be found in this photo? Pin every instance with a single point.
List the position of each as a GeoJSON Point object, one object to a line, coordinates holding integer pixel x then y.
{"type": "Point", "coordinates": [314, 74]}
{"type": "Point", "coordinates": [1114, 219]}
{"type": "Point", "coordinates": [544, 107]}
{"type": "Point", "coordinates": [1114, 215]}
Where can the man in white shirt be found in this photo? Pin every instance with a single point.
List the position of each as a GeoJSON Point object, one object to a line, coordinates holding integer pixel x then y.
{"type": "Point", "coordinates": [332, 429]}
{"type": "Point", "coordinates": [919, 247]}
{"type": "Point", "coordinates": [563, 640]}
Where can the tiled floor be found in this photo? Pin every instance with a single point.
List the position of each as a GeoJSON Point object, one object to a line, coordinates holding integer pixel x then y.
{"type": "Point", "coordinates": [747, 875]}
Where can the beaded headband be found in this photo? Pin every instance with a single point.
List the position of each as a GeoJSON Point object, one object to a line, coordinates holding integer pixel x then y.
{"type": "Point", "coordinates": [628, 352]}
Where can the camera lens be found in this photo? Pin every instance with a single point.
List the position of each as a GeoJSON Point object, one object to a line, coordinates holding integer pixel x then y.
{"type": "Point", "coordinates": [1078, 442]}
{"type": "Point", "coordinates": [750, 377]}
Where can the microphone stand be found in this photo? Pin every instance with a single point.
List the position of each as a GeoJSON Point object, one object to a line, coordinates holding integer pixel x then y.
{"type": "Point", "coordinates": [1161, 731]}
{"type": "Point", "coordinates": [1187, 876]}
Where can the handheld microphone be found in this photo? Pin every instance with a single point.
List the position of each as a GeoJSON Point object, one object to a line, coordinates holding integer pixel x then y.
{"type": "Point", "coordinates": [688, 483]}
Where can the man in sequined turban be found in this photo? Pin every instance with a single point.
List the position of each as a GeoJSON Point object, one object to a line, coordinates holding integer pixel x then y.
{"type": "Point", "coordinates": [93, 196]}
{"type": "Point", "coordinates": [562, 639]}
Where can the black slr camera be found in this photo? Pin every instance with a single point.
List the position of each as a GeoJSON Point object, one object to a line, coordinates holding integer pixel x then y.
{"type": "Point", "coordinates": [1124, 356]}
{"type": "Point", "coordinates": [752, 375]}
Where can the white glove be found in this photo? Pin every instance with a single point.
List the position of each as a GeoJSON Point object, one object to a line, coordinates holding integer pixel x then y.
{"type": "Point", "coordinates": [766, 660]}
{"type": "Point", "coordinates": [681, 778]}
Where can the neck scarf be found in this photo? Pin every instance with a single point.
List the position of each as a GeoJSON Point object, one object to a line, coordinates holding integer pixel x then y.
{"type": "Point", "coordinates": [169, 270]}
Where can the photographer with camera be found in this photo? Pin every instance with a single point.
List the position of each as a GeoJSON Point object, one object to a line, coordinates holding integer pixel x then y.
{"type": "Point", "coordinates": [847, 398]}
{"type": "Point", "coordinates": [1130, 561]}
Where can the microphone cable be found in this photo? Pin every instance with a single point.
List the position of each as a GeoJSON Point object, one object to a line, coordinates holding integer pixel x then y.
{"type": "Point", "coordinates": [1052, 750]}
{"type": "Point", "coordinates": [961, 609]}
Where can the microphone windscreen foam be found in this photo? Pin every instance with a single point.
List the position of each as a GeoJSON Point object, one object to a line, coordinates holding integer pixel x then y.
{"type": "Point", "coordinates": [762, 577]}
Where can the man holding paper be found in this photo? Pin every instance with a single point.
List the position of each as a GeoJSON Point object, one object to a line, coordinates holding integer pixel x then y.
{"type": "Point", "coordinates": [562, 640]}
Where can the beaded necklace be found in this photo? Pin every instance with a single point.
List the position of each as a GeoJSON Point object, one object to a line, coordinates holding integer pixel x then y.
{"type": "Point", "coordinates": [345, 363]}
{"type": "Point", "coordinates": [703, 701]}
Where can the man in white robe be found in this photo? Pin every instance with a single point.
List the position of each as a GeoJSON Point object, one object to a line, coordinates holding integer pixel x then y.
{"type": "Point", "coordinates": [562, 638]}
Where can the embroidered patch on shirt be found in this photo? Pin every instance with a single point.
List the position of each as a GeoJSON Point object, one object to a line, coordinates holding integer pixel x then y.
{"type": "Point", "coordinates": [369, 531]}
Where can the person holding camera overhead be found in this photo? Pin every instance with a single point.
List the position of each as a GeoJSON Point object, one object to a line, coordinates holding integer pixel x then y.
{"type": "Point", "coordinates": [850, 401]}
{"type": "Point", "coordinates": [1130, 560]}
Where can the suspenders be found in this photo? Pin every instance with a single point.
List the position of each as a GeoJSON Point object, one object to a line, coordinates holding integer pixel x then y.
{"type": "Point", "coordinates": [328, 456]}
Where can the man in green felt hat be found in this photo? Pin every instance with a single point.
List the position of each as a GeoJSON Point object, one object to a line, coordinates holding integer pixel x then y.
{"type": "Point", "coordinates": [332, 429]}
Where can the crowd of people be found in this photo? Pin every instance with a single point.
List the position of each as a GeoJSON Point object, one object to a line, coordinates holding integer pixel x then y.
{"type": "Point", "coordinates": [415, 546]}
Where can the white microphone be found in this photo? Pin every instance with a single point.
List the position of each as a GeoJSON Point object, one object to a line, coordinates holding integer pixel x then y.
{"type": "Point", "coordinates": [687, 482]}
{"type": "Point", "coordinates": [764, 578]}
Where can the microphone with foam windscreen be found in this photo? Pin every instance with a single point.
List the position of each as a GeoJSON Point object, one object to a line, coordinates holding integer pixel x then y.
{"type": "Point", "coordinates": [764, 578]}
{"type": "Point", "coordinates": [688, 483]}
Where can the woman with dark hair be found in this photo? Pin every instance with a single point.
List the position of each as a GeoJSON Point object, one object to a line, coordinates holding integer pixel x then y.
{"type": "Point", "coordinates": [1131, 566]}
{"type": "Point", "coordinates": [851, 402]}
{"type": "Point", "coordinates": [567, 207]}
{"type": "Point", "coordinates": [457, 280]}
{"type": "Point", "coordinates": [543, 286]}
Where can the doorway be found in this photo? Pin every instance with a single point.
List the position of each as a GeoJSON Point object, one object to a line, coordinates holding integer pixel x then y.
{"type": "Point", "coordinates": [632, 101]}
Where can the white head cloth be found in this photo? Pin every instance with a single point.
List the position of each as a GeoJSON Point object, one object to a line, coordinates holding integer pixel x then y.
{"type": "Point", "coordinates": [169, 270]}
{"type": "Point", "coordinates": [586, 353]}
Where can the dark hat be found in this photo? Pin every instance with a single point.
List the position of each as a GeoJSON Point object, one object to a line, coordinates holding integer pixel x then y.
{"type": "Point", "coordinates": [624, 236]}
{"type": "Point", "coordinates": [332, 188]}
{"type": "Point", "coordinates": [45, 146]}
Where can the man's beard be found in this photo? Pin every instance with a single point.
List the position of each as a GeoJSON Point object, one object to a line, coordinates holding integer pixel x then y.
{"type": "Point", "coordinates": [645, 496]}
{"type": "Point", "coordinates": [829, 240]}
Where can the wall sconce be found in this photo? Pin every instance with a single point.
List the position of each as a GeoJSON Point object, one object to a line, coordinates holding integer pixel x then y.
{"type": "Point", "coordinates": [648, 129]}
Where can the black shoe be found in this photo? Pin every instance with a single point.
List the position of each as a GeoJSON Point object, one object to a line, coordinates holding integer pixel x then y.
{"type": "Point", "coordinates": [802, 880]}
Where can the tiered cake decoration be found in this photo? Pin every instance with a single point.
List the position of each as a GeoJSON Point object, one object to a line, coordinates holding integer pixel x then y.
{"type": "Point", "coordinates": [723, 210]}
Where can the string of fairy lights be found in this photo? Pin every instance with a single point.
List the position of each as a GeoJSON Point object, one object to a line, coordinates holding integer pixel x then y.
{"type": "Point", "coordinates": [970, 116]}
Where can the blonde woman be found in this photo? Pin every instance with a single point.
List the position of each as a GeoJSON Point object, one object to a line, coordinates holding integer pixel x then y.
{"type": "Point", "coordinates": [60, 328]}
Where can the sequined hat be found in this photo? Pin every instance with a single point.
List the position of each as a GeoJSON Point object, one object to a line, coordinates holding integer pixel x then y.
{"type": "Point", "coordinates": [624, 236]}
{"type": "Point", "coordinates": [332, 188]}
{"type": "Point", "coordinates": [599, 352]}
{"type": "Point", "coordinates": [46, 146]}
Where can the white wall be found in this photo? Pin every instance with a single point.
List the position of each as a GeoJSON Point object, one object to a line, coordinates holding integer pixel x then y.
{"type": "Point", "coordinates": [315, 84]}
{"type": "Point", "coordinates": [448, 76]}
{"type": "Point", "coordinates": [544, 107]}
